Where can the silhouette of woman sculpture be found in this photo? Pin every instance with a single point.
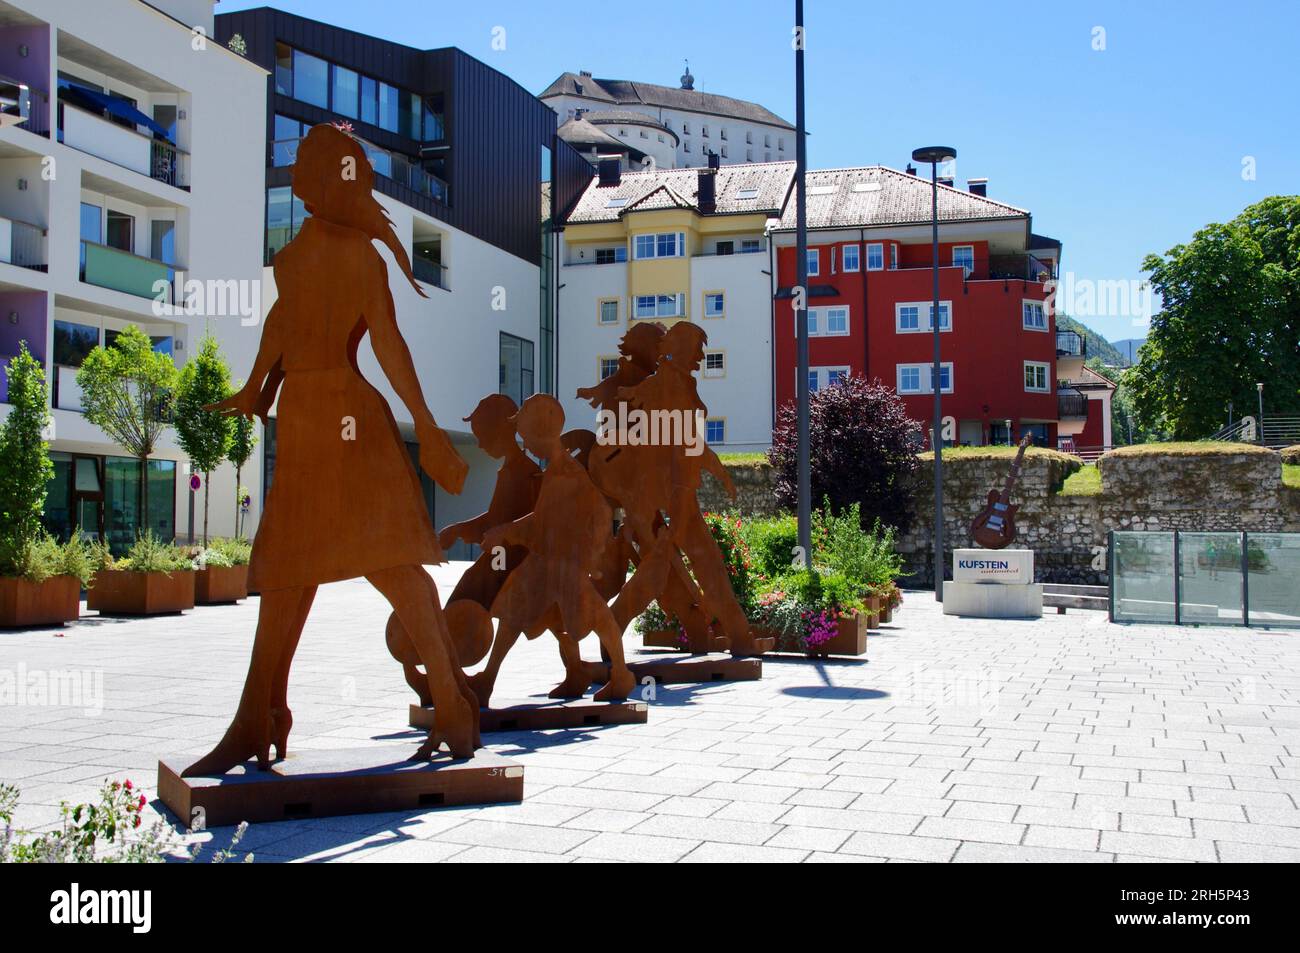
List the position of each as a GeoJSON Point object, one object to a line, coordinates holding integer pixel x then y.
{"type": "Point", "coordinates": [346, 501]}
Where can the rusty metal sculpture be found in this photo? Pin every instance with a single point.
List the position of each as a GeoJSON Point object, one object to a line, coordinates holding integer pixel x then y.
{"type": "Point", "coordinates": [346, 501]}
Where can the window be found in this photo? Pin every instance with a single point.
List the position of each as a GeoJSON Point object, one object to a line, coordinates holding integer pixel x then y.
{"type": "Point", "coordinates": [284, 69]}
{"type": "Point", "coordinates": [724, 248]}
{"type": "Point", "coordinates": [746, 194]}
{"type": "Point", "coordinates": [780, 145]}
{"type": "Point", "coordinates": [1034, 316]}
{"type": "Point", "coordinates": [715, 364]}
{"type": "Point", "coordinates": [831, 321]}
{"type": "Point", "coordinates": [285, 214]}
{"type": "Point", "coordinates": [345, 91]}
{"type": "Point", "coordinates": [663, 245]}
{"type": "Point", "coordinates": [608, 311]}
{"type": "Point", "coordinates": [814, 261]}
{"type": "Point", "coordinates": [893, 257]}
{"type": "Point", "coordinates": [644, 134]}
{"type": "Point", "coordinates": [1037, 377]}
{"type": "Point", "coordinates": [686, 128]}
{"type": "Point", "coordinates": [284, 150]}
{"type": "Point", "coordinates": [370, 100]}
{"type": "Point", "coordinates": [819, 378]}
{"type": "Point", "coordinates": [608, 366]}
{"type": "Point", "coordinates": [611, 256]}
{"type": "Point", "coordinates": [660, 306]}
{"type": "Point", "coordinates": [724, 150]}
{"type": "Point", "coordinates": [964, 256]}
{"type": "Point", "coordinates": [875, 256]}
{"type": "Point", "coordinates": [119, 231]}
{"type": "Point", "coordinates": [749, 138]}
{"type": "Point", "coordinates": [162, 241]}
{"type": "Point", "coordinates": [767, 140]}
{"type": "Point", "coordinates": [750, 245]}
{"type": "Point", "coordinates": [516, 368]}
{"type": "Point", "coordinates": [916, 378]}
{"type": "Point", "coordinates": [311, 79]}
{"type": "Point", "coordinates": [850, 257]}
{"type": "Point", "coordinates": [715, 305]}
{"type": "Point", "coordinates": [388, 107]}
{"type": "Point", "coordinates": [704, 131]}
{"type": "Point", "coordinates": [914, 316]}
{"type": "Point", "coordinates": [686, 146]}
{"type": "Point", "coordinates": [723, 132]}
{"type": "Point", "coordinates": [715, 431]}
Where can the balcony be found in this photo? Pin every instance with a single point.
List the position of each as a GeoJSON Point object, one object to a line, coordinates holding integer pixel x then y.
{"type": "Point", "coordinates": [122, 145]}
{"type": "Point", "coordinates": [1018, 268]}
{"type": "Point", "coordinates": [392, 165]}
{"type": "Point", "coordinates": [1071, 344]}
{"type": "Point", "coordinates": [23, 244]}
{"type": "Point", "coordinates": [1071, 405]}
{"type": "Point", "coordinates": [122, 271]}
{"type": "Point", "coordinates": [26, 104]}
{"type": "Point", "coordinates": [430, 272]}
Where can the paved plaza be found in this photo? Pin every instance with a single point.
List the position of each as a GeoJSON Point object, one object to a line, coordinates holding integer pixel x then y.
{"type": "Point", "coordinates": [1061, 739]}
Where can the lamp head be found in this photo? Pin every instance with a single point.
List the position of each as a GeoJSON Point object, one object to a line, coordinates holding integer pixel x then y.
{"type": "Point", "coordinates": [934, 154]}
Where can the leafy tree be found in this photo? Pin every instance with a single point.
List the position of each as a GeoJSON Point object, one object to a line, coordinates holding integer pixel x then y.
{"type": "Point", "coordinates": [25, 467]}
{"type": "Point", "coordinates": [127, 391]}
{"type": "Point", "coordinates": [205, 436]}
{"type": "Point", "coordinates": [1231, 317]}
{"type": "Point", "coordinates": [243, 440]}
{"type": "Point", "coordinates": [862, 448]}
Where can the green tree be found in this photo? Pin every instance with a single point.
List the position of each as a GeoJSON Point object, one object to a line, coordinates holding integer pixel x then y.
{"type": "Point", "coordinates": [127, 391]}
{"type": "Point", "coordinates": [1230, 318]}
{"type": "Point", "coordinates": [203, 435]}
{"type": "Point", "coordinates": [243, 440]}
{"type": "Point", "coordinates": [25, 467]}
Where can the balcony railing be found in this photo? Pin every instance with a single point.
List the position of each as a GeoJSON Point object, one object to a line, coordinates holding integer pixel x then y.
{"type": "Point", "coordinates": [1071, 344]}
{"type": "Point", "coordinates": [122, 271]}
{"type": "Point", "coordinates": [31, 105]}
{"type": "Point", "coordinates": [1071, 405]}
{"type": "Point", "coordinates": [1019, 268]}
{"type": "Point", "coordinates": [89, 132]}
{"type": "Point", "coordinates": [392, 165]}
{"type": "Point", "coordinates": [23, 244]}
{"type": "Point", "coordinates": [430, 272]}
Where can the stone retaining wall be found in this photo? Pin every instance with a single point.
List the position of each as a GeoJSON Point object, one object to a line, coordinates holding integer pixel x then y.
{"type": "Point", "coordinates": [1233, 491]}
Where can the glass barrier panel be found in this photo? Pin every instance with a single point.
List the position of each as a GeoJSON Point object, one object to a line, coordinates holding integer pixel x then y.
{"type": "Point", "coordinates": [1210, 590]}
{"type": "Point", "coordinates": [1144, 577]}
{"type": "Point", "coordinates": [1273, 571]}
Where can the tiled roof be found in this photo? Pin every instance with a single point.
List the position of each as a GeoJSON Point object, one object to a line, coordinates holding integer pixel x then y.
{"type": "Point", "coordinates": [579, 132]}
{"type": "Point", "coordinates": [628, 92]}
{"type": "Point", "coordinates": [668, 188]}
{"type": "Point", "coordinates": [877, 195]}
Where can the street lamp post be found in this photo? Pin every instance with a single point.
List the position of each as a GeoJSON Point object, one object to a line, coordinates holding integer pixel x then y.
{"type": "Point", "coordinates": [804, 496]}
{"type": "Point", "coordinates": [1259, 427]}
{"type": "Point", "coordinates": [934, 155]}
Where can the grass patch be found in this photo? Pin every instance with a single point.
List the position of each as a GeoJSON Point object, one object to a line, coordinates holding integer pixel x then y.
{"type": "Point", "coordinates": [1187, 448]}
{"type": "Point", "coordinates": [743, 459]}
{"type": "Point", "coordinates": [1291, 475]}
{"type": "Point", "coordinates": [998, 453]}
{"type": "Point", "coordinates": [1085, 481]}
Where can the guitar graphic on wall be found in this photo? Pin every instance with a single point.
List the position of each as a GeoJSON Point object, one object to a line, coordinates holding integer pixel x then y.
{"type": "Point", "coordinates": [995, 526]}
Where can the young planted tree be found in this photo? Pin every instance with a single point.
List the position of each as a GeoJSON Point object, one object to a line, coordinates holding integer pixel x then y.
{"type": "Point", "coordinates": [127, 391]}
{"type": "Point", "coordinates": [25, 467]}
{"type": "Point", "coordinates": [243, 440]}
{"type": "Point", "coordinates": [863, 450]}
{"type": "Point", "coordinates": [205, 436]}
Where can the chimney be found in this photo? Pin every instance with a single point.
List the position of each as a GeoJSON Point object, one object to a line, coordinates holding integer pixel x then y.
{"type": "Point", "coordinates": [586, 73]}
{"type": "Point", "coordinates": [707, 196]}
{"type": "Point", "coordinates": [609, 173]}
{"type": "Point", "coordinates": [911, 169]}
{"type": "Point", "coordinates": [978, 187]}
{"type": "Point", "coordinates": [715, 162]}
{"type": "Point", "coordinates": [577, 113]}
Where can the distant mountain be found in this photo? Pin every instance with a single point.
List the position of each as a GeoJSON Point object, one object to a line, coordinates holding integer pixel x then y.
{"type": "Point", "coordinates": [1098, 346]}
{"type": "Point", "coordinates": [1129, 348]}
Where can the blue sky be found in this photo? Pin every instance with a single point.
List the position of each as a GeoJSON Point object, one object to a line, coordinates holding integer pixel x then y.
{"type": "Point", "coordinates": [1117, 151]}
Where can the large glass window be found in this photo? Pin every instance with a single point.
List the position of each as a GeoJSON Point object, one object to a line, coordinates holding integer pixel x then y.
{"type": "Point", "coordinates": [91, 223]}
{"type": "Point", "coordinates": [285, 214]}
{"type": "Point", "coordinates": [119, 230]}
{"type": "Point", "coordinates": [284, 69]}
{"type": "Point", "coordinates": [433, 125]}
{"type": "Point", "coordinates": [388, 107]}
{"type": "Point", "coordinates": [284, 150]}
{"type": "Point", "coordinates": [369, 100]}
{"type": "Point", "coordinates": [516, 377]}
{"type": "Point", "coordinates": [122, 501]}
{"type": "Point", "coordinates": [345, 91]}
{"type": "Point", "coordinates": [162, 241]}
{"type": "Point", "coordinates": [311, 79]}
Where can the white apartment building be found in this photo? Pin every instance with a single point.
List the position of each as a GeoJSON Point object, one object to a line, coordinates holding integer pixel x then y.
{"type": "Point", "coordinates": [131, 152]}
{"type": "Point", "coordinates": [669, 246]}
{"type": "Point", "coordinates": [678, 126]}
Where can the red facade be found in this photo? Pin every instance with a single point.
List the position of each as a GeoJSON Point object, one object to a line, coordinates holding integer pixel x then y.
{"type": "Point", "coordinates": [988, 342]}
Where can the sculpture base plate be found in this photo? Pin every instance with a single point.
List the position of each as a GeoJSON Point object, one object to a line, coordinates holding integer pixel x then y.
{"type": "Point", "coordinates": [991, 600]}
{"type": "Point", "coordinates": [543, 714]}
{"type": "Point", "coordinates": [685, 669]}
{"type": "Point", "coordinates": [333, 782]}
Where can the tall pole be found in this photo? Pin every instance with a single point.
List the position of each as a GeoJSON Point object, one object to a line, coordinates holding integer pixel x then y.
{"type": "Point", "coordinates": [1259, 428]}
{"type": "Point", "coordinates": [936, 438]}
{"type": "Point", "coordinates": [801, 293]}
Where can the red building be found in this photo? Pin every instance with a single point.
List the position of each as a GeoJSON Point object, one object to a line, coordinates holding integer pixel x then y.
{"type": "Point", "coordinates": [869, 300]}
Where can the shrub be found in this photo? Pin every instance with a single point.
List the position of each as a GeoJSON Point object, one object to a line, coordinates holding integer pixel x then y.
{"type": "Point", "coordinates": [25, 467]}
{"type": "Point", "coordinates": [772, 542]}
{"type": "Point", "coordinates": [235, 552]}
{"type": "Point", "coordinates": [866, 559]}
{"type": "Point", "coordinates": [863, 450]}
{"type": "Point", "coordinates": [726, 532]}
{"type": "Point", "coordinates": [43, 557]}
{"type": "Point", "coordinates": [150, 554]}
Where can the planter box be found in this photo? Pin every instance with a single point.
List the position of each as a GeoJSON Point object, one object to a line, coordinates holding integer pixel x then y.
{"type": "Point", "coordinates": [850, 639]}
{"type": "Point", "coordinates": [220, 584]}
{"type": "Point", "coordinates": [122, 592]}
{"type": "Point", "coordinates": [52, 602]}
